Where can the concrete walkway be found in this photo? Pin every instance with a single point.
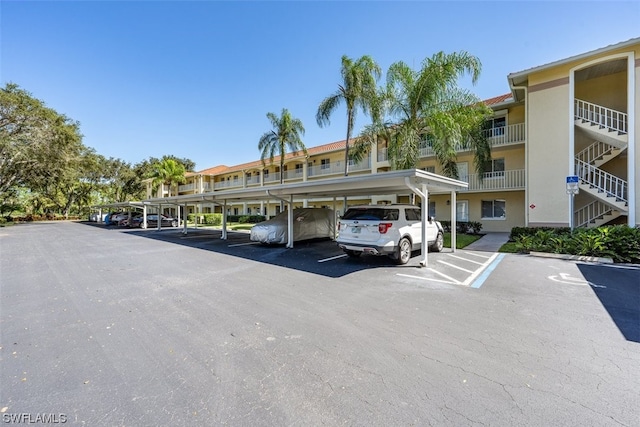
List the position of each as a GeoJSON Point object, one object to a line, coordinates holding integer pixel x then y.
{"type": "Point", "coordinates": [490, 242]}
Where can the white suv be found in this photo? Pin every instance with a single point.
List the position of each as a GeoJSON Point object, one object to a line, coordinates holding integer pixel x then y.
{"type": "Point", "coordinates": [393, 230]}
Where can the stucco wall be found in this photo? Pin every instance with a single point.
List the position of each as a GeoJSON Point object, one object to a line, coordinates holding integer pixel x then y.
{"type": "Point", "coordinates": [548, 152]}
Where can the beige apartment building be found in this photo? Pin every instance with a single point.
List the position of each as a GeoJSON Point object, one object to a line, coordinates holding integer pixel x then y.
{"type": "Point", "coordinates": [574, 117]}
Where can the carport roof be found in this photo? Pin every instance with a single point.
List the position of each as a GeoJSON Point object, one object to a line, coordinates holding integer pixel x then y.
{"type": "Point", "coordinates": [355, 185]}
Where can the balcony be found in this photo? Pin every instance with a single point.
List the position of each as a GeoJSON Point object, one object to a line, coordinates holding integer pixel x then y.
{"type": "Point", "coordinates": [272, 177]}
{"type": "Point", "coordinates": [186, 187]}
{"type": "Point", "coordinates": [253, 180]}
{"type": "Point", "coordinates": [497, 181]}
{"type": "Point", "coordinates": [338, 168]}
{"type": "Point", "coordinates": [223, 185]}
{"type": "Point", "coordinates": [293, 174]}
{"type": "Point", "coordinates": [500, 136]}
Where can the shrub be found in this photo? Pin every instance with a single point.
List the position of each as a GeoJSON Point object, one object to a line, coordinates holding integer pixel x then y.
{"type": "Point", "coordinates": [209, 218]}
{"type": "Point", "coordinates": [464, 227]}
{"type": "Point", "coordinates": [619, 242]}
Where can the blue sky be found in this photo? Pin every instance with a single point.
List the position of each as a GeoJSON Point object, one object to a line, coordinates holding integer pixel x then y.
{"type": "Point", "coordinates": [196, 79]}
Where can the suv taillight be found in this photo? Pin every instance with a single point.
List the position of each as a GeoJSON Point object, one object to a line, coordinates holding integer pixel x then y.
{"type": "Point", "coordinates": [383, 227]}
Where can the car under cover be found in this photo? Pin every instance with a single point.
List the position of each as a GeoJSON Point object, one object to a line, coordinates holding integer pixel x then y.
{"type": "Point", "coordinates": [308, 223]}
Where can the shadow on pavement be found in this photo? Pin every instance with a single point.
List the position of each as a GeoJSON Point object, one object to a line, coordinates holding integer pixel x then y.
{"type": "Point", "coordinates": [618, 289]}
{"type": "Point", "coordinates": [311, 256]}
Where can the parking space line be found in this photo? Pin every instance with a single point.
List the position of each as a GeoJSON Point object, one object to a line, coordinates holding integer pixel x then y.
{"type": "Point", "coordinates": [482, 273]}
{"type": "Point", "coordinates": [477, 255]}
{"type": "Point", "coordinates": [332, 258]}
{"type": "Point", "coordinates": [455, 266]}
{"type": "Point", "coordinates": [243, 244]}
{"type": "Point", "coordinates": [464, 259]}
{"type": "Point", "coordinates": [445, 276]}
{"type": "Point", "coordinates": [429, 279]}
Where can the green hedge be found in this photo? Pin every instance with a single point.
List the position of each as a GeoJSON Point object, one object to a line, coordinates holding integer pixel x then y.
{"type": "Point", "coordinates": [216, 218]}
{"type": "Point", "coordinates": [466, 227]}
{"type": "Point", "coordinates": [619, 242]}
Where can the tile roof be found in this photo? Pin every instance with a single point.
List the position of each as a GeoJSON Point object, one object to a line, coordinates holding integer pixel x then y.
{"type": "Point", "coordinates": [498, 99]}
{"type": "Point", "coordinates": [325, 148]}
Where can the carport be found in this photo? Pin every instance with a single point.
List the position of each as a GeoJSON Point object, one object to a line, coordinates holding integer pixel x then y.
{"type": "Point", "coordinates": [416, 181]}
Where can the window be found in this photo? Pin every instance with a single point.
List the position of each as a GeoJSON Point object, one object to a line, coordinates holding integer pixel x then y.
{"type": "Point", "coordinates": [265, 173]}
{"type": "Point", "coordinates": [431, 169]}
{"type": "Point", "coordinates": [412, 214]}
{"type": "Point", "coordinates": [462, 210]}
{"type": "Point", "coordinates": [432, 209]}
{"type": "Point", "coordinates": [494, 209]}
{"type": "Point", "coordinates": [235, 179]}
{"type": "Point", "coordinates": [494, 168]}
{"type": "Point", "coordinates": [495, 126]}
{"type": "Point", "coordinates": [372, 214]}
{"type": "Point", "coordinates": [299, 168]}
{"type": "Point", "coordinates": [325, 163]}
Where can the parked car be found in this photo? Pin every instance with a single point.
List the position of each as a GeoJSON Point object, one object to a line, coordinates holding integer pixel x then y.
{"type": "Point", "coordinates": [392, 230]}
{"type": "Point", "coordinates": [124, 222]}
{"type": "Point", "coordinates": [308, 223]}
{"type": "Point", "coordinates": [108, 219]}
{"type": "Point", "coordinates": [152, 221]}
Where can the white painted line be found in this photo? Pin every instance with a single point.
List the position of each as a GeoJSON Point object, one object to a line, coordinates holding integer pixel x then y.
{"type": "Point", "coordinates": [455, 266]}
{"type": "Point", "coordinates": [479, 271]}
{"type": "Point", "coordinates": [332, 258]}
{"type": "Point", "coordinates": [445, 276]}
{"type": "Point", "coordinates": [244, 244]}
{"type": "Point", "coordinates": [478, 255]}
{"type": "Point", "coordinates": [467, 260]}
{"type": "Point", "coordinates": [428, 279]}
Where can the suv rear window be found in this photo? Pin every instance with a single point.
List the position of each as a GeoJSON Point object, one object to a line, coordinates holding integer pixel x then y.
{"type": "Point", "coordinates": [372, 214]}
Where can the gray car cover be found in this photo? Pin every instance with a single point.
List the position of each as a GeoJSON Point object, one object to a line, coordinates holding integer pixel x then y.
{"type": "Point", "coordinates": [308, 223]}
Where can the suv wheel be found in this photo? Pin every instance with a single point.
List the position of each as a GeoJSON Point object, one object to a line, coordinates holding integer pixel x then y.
{"type": "Point", "coordinates": [438, 244]}
{"type": "Point", "coordinates": [404, 251]}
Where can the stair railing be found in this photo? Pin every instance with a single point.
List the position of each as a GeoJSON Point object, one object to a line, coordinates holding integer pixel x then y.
{"type": "Point", "coordinates": [601, 116]}
{"type": "Point", "coordinates": [602, 181]}
{"type": "Point", "coordinates": [595, 151]}
{"type": "Point", "coordinates": [587, 214]}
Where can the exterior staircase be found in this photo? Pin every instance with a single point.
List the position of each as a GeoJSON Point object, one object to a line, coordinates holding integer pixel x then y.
{"type": "Point", "coordinates": [608, 128]}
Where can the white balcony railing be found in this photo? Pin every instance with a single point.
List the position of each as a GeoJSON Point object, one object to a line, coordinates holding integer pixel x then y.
{"type": "Point", "coordinates": [503, 180]}
{"type": "Point", "coordinates": [186, 187]}
{"type": "Point", "coordinates": [272, 177]}
{"type": "Point", "coordinates": [293, 174]}
{"type": "Point", "coordinates": [222, 185]}
{"type": "Point", "coordinates": [338, 168]}
{"type": "Point", "coordinates": [253, 180]}
{"type": "Point", "coordinates": [601, 116]}
{"type": "Point", "coordinates": [505, 135]}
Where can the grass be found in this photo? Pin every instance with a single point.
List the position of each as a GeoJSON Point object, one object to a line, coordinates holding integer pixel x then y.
{"type": "Point", "coordinates": [509, 247]}
{"type": "Point", "coordinates": [462, 240]}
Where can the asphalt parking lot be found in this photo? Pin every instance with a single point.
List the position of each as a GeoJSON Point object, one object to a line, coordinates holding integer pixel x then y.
{"type": "Point", "coordinates": [116, 327]}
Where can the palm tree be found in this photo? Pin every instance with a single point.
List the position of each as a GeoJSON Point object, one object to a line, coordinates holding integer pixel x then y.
{"type": "Point", "coordinates": [168, 171]}
{"type": "Point", "coordinates": [428, 104]}
{"type": "Point", "coordinates": [285, 134]}
{"type": "Point", "coordinates": [357, 90]}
